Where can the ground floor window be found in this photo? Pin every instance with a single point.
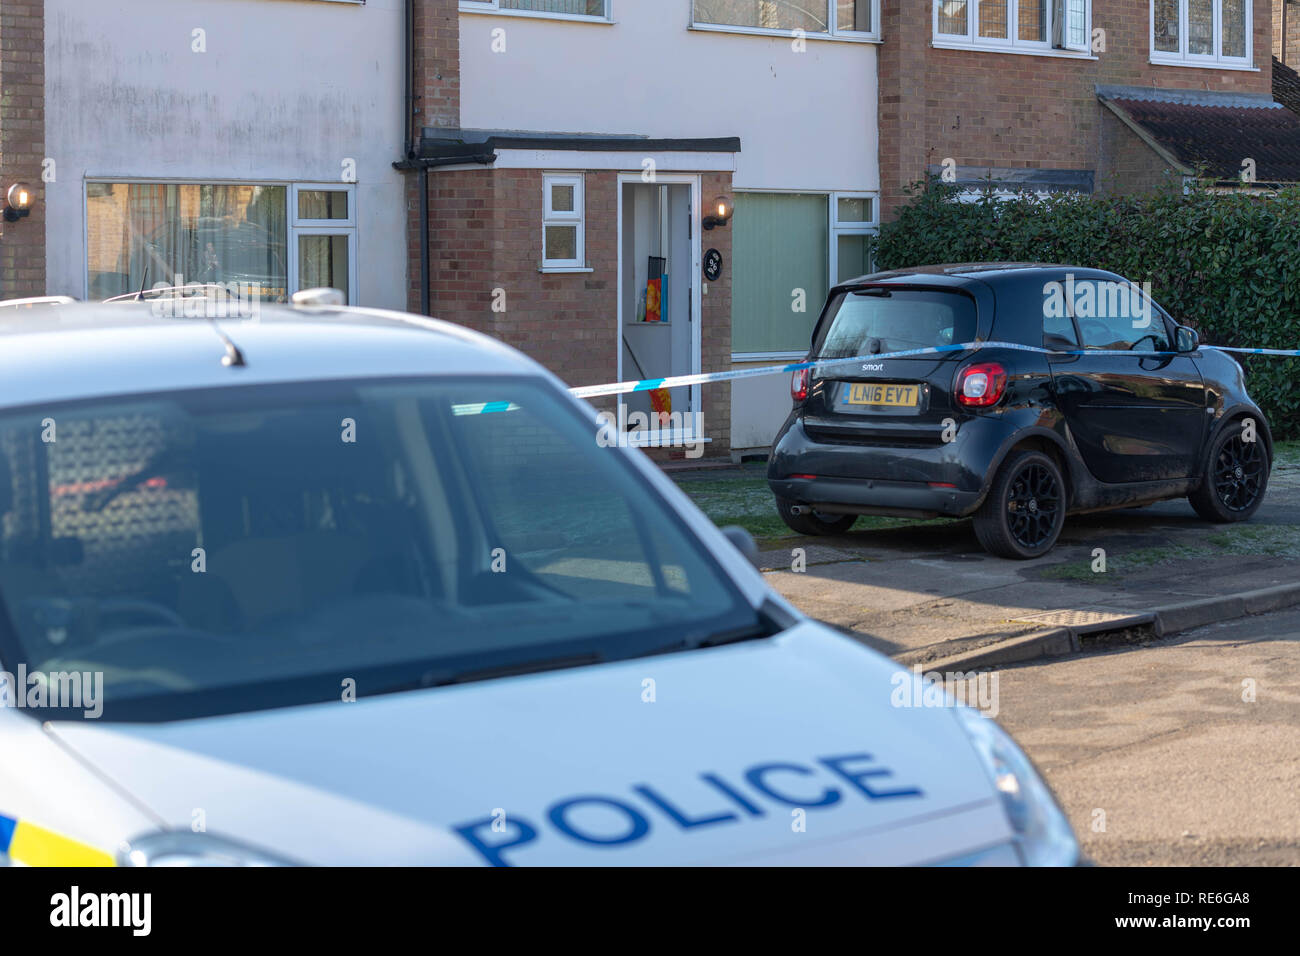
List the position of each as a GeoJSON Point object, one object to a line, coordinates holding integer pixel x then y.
{"type": "Point", "coordinates": [854, 229]}
{"type": "Point", "coordinates": [788, 249]}
{"type": "Point", "coordinates": [324, 231]}
{"type": "Point", "coordinates": [562, 222]}
{"type": "Point", "coordinates": [272, 238]}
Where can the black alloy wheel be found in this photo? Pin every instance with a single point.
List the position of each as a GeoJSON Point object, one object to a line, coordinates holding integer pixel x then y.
{"type": "Point", "coordinates": [1239, 473]}
{"type": "Point", "coordinates": [1034, 504]}
{"type": "Point", "coordinates": [1234, 477]}
{"type": "Point", "coordinates": [1024, 511]}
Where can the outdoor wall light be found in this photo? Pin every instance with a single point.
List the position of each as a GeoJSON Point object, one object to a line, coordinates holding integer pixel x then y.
{"type": "Point", "coordinates": [721, 214]}
{"type": "Point", "coordinates": [19, 199]}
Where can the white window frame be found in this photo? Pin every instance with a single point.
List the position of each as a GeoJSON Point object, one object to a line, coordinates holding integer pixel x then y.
{"type": "Point", "coordinates": [837, 228]}
{"type": "Point", "coordinates": [832, 32]}
{"type": "Point", "coordinates": [494, 8]}
{"type": "Point", "coordinates": [348, 190]}
{"type": "Point", "coordinates": [971, 40]}
{"type": "Point", "coordinates": [840, 227]}
{"type": "Point", "coordinates": [1215, 60]}
{"type": "Point", "coordinates": [298, 226]}
{"type": "Point", "coordinates": [552, 217]}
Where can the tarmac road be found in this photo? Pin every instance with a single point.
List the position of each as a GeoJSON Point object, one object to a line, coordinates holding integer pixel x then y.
{"type": "Point", "coordinates": [1155, 754]}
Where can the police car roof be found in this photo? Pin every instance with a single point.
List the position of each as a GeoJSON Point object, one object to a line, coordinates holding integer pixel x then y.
{"type": "Point", "coordinates": [65, 351]}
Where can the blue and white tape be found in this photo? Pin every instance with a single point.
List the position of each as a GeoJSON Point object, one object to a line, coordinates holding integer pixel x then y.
{"type": "Point", "coordinates": [704, 378]}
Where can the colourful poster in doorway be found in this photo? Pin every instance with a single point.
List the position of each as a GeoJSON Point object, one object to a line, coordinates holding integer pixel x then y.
{"type": "Point", "coordinates": [654, 292]}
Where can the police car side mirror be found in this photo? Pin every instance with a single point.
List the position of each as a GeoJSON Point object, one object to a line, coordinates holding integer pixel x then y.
{"type": "Point", "coordinates": [1186, 339]}
{"type": "Point", "coordinates": [744, 542]}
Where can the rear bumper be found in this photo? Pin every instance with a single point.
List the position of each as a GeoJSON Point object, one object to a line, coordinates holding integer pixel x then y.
{"type": "Point", "coordinates": [943, 479]}
{"type": "Point", "coordinates": [909, 499]}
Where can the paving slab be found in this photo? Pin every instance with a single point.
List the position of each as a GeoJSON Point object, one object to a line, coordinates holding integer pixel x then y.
{"type": "Point", "coordinates": [938, 605]}
{"type": "Point", "coordinates": [925, 592]}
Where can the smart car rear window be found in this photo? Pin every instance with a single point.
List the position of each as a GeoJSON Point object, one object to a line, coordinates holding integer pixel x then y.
{"type": "Point", "coordinates": [877, 320]}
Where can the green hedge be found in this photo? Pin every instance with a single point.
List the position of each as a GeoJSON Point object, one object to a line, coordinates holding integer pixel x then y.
{"type": "Point", "coordinates": [1226, 264]}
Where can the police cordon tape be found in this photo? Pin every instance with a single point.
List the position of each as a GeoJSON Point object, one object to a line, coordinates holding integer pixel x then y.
{"type": "Point", "coordinates": [704, 378]}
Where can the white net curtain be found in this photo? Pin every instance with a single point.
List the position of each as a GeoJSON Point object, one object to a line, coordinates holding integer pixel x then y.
{"type": "Point", "coordinates": [142, 234]}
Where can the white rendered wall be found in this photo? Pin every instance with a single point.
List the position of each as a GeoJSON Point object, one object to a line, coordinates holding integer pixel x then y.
{"type": "Point", "coordinates": [286, 91]}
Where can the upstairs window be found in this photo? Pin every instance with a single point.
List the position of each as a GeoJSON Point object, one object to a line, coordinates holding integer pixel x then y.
{"type": "Point", "coordinates": [845, 19]}
{"type": "Point", "coordinates": [563, 9]}
{"type": "Point", "coordinates": [1201, 32]}
{"type": "Point", "coordinates": [1018, 26]}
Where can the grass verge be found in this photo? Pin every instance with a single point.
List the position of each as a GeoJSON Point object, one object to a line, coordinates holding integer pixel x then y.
{"type": "Point", "coordinates": [1278, 541]}
{"type": "Point", "coordinates": [744, 499]}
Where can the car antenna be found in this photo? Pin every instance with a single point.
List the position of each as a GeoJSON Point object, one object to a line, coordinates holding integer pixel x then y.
{"type": "Point", "coordinates": [139, 296]}
{"type": "Point", "coordinates": [233, 357]}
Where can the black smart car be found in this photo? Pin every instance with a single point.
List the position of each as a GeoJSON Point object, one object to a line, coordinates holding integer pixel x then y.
{"type": "Point", "coordinates": [1015, 438]}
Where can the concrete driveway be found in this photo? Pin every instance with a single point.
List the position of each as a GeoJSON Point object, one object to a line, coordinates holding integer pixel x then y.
{"type": "Point", "coordinates": [925, 591]}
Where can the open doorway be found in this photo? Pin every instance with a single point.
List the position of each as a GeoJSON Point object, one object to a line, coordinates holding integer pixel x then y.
{"type": "Point", "coordinates": [659, 305]}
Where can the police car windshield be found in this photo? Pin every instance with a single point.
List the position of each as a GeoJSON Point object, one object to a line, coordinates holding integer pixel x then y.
{"type": "Point", "coordinates": [224, 550]}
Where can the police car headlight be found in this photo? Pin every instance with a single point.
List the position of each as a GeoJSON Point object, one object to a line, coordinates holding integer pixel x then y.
{"type": "Point", "coordinates": [183, 848]}
{"type": "Point", "coordinates": [1043, 834]}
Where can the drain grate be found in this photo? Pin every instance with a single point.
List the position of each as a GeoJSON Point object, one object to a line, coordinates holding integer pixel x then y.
{"type": "Point", "coordinates": [1088, 619]}
{"type": "Point", "coordinates": [813, 554]}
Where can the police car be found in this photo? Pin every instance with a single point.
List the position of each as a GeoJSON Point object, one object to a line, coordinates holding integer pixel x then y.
{"type": "Point", "coordinates": [335, 585]}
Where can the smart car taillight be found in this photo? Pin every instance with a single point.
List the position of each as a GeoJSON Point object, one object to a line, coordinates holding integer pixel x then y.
{"type": "Point", "coordinates": [979, 386]}
{"type": "Point", "coordinates": [799, 384]}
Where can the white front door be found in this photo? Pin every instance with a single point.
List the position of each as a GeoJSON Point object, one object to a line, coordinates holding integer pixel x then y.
{"type": "Point", "coordinates": [659, 303]}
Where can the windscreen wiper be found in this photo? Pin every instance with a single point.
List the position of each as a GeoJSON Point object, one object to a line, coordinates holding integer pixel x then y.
{"type": "Point", "coordinates": [772, 620]}
{"type": "Point", "coordinates": [735, 635]}
{"type": "Point", "coordinates": [446, 677]}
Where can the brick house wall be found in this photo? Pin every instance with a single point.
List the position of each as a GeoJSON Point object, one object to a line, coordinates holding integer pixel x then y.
{"type": "Point", "coordinates": [1287, 48]}
{"type": "Point", "coordinates": [22, 143]}
{"type": "Point", "coordinates": [435, 82]}
{"type": "Point", "coordinates": [715, 350]}
{"type": "Point", "coordinates": [1126, 164]}
{"type": "Point", "coordinates": [485, 236]}
{"type": "Point", "coordinates": [1011, 110]}
{"type": "Point", "coordinates": [436, 62]}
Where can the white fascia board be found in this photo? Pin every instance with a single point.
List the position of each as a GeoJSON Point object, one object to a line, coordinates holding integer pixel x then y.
{"type": "Point", "coordinates": [622, 160]}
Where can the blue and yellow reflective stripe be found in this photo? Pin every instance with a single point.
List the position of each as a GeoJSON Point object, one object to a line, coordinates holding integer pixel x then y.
{"type": "Point", "coordinates": [27, 843]}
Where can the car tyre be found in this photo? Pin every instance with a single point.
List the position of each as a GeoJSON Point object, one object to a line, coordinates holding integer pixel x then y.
{"type": "Point", "coordinates": [813, 522]}
{"type": "Point", "coordinates": [1023, 514]}
{"type": "Point", "coordinates": [1233, 478]}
